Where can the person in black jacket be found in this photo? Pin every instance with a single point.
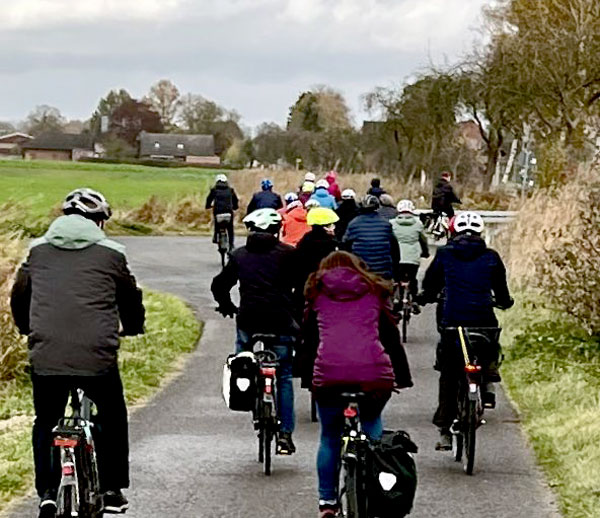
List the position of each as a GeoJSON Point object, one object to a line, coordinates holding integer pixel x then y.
{"type": "Point", "coordinates": [375, 188]}
{"type": "Point", "coordinates": [264, 268]}
{"type": "Point", "coordinates": [473, 280]}
{"type": "Point", "coordinates": [265, 199]}
{"type": "Point", "coordinates": [68, 298]}
{"type": "Point", "coordinates": [223, 200]}
{"type": "Point", "coordinates": [443, 196]}
{"type": "Point", "coordinates": [347, 210]}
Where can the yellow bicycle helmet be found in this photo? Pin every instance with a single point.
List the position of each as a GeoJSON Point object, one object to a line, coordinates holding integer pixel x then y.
{"type": "Point", "coordinates": [321, 216]}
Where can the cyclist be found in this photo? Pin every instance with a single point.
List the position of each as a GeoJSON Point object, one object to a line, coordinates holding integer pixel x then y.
{"type": "Point", "coordinates": [265, 198]}
{"type": "Point", "coordinates": [68, 298]}
{"type": "Point", "coordinates": [223, 200]}
{"type": "Point", "coordinates": [348, 321]}
{"type": "Point", "coordinates": [347, 211]}
{"type": "Point", "coordinates": [322, 195]}
{"type": "Point", "coordinates": [294, 225]}
{"type": "Point", "coordinates": [312, 248]}
{"type": "Point", "coordinates": [264, 268]}
{"type": "Point", "coordinates": [334, 188]}
{"type": "Point", "coordinates": [444, 196]}
{"type": "Point", "coordinates": [289, 198]}
{"type": "Point", "coordinates": [473, 279]}
{"type": "Point", "coordinates": [386, 209]}
{"type": "Point", "coordinates": [408, 230]}
{"type": "Point", "coordinates": [375, 188]}
{"type": "Point", "coordinates": [306, 191]}
{"type": "Point", "coordinates": [370, 237]}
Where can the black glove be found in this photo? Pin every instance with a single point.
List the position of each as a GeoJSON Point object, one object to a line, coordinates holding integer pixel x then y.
{"type": "Point", "coordinates": [505, 305]}
{"type": "Point", "coordinates": [227, 309]}
{"type": "Point", "coordinates": [420, 299]}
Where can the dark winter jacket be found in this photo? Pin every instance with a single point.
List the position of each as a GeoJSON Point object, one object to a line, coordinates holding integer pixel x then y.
{"type": "Point", "coordinates": [376, 191]}
{"type": "Point", "coordinates": [472, 276]}
{"type": "Point", "coordinates": [350, 339]}
{"type": "Point", "coordinates": [347, 211]}
{"type": "Point", "coordinates": [264, 200]}
{"type": "Point", "coordinates": [69, 296]}
{"type": "Point", "coordinates": [222, 199]}
{"type": "Point", "coordinates": [370, 237]}
{"type": "Point", "coordinates": [443, 197]}
{"type": "Point", "coordinates": [265, 270]}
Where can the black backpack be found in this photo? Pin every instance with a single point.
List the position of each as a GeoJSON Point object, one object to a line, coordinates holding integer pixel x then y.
{"type": "Point", "coordinates": [391, 476]}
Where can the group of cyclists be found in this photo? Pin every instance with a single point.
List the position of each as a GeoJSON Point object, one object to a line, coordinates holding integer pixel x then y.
{"type": "Point", "coordinates": [317, 270]}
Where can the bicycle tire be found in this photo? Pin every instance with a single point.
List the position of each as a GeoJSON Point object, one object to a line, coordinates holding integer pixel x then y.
{"type": "Point", "coordinates": [65, 503]}
{"type": "Point", "coordinates": [313, 409]}
{"type": "Point", "coordinates": [353, 493]}
{"type": "Point", "coordinates": [268, 439]}
{"type": "Point", "coordinates": [470, 437]}
{"type": "Point", "coordinates": [405, 320]}
{"type": "Point", "coordinates": [261, 445]}
{"type": "Point", "coordinates": [223, 256]}
{"type": "Point", "coordinates": [457, 446]}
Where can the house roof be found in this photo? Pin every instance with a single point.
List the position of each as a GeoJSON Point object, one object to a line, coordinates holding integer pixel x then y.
{"type": "Point", "coordinates": [173, 144]}
{"type": "Point", "coordinates": [15, 137]}
{"type": "Point", "coordinates": [60, 141]}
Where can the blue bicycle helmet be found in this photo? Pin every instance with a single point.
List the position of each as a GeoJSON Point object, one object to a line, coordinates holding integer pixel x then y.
{"type": "Point", "coordinates": [266, 184]}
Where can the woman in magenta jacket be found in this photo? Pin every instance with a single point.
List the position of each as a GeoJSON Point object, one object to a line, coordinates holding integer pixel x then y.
{"type": "Point", "coordinates": [351, 343]}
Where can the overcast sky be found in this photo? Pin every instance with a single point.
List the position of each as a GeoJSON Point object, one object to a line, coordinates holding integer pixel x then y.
{"type": "Point", "coordinates": [254, 56]}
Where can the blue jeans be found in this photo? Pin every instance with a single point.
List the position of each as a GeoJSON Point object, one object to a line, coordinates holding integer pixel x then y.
{"type": "Point", "coordinates": [285, 386]}
{"type": "Point", "coordinates": [328, 456]}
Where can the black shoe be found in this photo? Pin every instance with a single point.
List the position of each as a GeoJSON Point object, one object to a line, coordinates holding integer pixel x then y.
{"type": "Point", "coordinates": [115, 502]}
{"type": "Point", "coordinates": [416, 309]}
{"type": "Point", "coordinates": [48, 505]}
{"type": "Point", "coordinates": [285, 445]}
{"type": "Point", "coordinates": [489, 400]}
{"type": "Point", "coordinates": [445, 442]}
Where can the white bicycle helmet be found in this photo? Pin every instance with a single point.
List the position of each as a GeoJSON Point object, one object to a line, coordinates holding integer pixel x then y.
{"type": "Point", "coordinates": [348, 194]}
{"type": "Point", "coordinates": [311, 204]}
{"type": "Point", "coordinates": [322, 183]}
{"type": "Point", "coordinates": [221, 178]}
{"type": "Point", "coordinates": [310, 177]}
{"type": "Point", "coordinates": [468, 222]}
{"type": "Point", "coordinates": [406, 206]}
{"type": "Point", "coordinates": [263, 220]}
{"type": "Point", "coordinates": [290, 197]}
{"type": "Point", "coordinates": [88, 203]}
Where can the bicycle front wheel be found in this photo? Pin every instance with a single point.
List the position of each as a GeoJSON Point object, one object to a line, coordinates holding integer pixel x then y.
{"type": "Point", "coordinates": [469, 434]}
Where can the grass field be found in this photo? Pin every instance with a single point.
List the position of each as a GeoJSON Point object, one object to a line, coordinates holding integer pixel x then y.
{"type": "Point", "coordinates": [39, 186]}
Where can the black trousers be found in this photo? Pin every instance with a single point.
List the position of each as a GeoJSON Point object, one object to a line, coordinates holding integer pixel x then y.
{"type": "Point", "coordinates": [50, 396]}
{"type": "Point", "coordinates": [408, 272]}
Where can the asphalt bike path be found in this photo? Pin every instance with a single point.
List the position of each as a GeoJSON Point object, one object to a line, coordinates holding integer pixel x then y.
{"type": "Point", "coordinates": [192, 457]}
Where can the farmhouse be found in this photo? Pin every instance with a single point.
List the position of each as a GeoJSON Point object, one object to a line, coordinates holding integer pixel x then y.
{"type": "Point", "coordinates": [193, 149]}
{"type": "Point", "coordinates": [59, 146]}
{"type": "Point", "coordinates": [11, 143]}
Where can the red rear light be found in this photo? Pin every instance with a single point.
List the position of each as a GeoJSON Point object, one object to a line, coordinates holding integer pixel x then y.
{"type": "Point", "coordinates": [268, 389]}
{"type": "Point", "coordinates": [472, 369]}
{"type": "Point", "coordinates": [68, 470]}
{"type": "Point", "coordinates": [268, 371]}
{"type": "Point", "coordinates": [350, 412]}
{"type": "Point", "coordinates": [65, 443]}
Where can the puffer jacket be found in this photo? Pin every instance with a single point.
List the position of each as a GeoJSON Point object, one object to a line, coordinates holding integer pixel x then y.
{"type": "Point", "coordinates": [356, 343]}
{"type": "Point", "coordinates": [294, 226]}
{"type": "Point", "coordinates": [264, 200]}
{"type": "Point", "coordinates": [408, 230]}
{"type": "Point", "coordinates": [324, 198]}
{"type": "Point", "coordinates": [69, 296]}
{"type": "Point", "coordinates": [334, 188]}
{"type": "Point", "coordinates": [473, 280]}
{"type": "Point", "coordinates": [222, 199]}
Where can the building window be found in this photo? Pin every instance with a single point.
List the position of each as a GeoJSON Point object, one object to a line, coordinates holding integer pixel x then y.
{"type": "Point", "coordinates": [179, 146]}
{"type": "Point", "coordinates": [156, 145]}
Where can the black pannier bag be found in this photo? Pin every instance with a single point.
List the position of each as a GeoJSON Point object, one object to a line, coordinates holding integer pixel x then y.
{"type": "Point", "coordinates": [391, 476]}
{"type": "Point", "coordinates": [239, 381]}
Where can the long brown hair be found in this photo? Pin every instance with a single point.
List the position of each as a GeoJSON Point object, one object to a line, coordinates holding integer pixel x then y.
{"type": "Point", "coordinates": [341, 259]}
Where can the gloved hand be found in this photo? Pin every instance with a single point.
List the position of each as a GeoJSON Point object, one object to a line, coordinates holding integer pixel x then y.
{"type": "Point", "coordinates": [227, 309]}
{"type": "Point", "coordinates": [505, 305]}
{"type": "Point", "coordinates": [420, 299]}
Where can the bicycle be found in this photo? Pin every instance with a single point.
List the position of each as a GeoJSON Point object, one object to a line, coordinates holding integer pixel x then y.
{"type": "Point", "coordinates": [438, 225]}
{"type": "Point", "coordinates": [355, 445]}
{"type": "Point", "coordinates": [265, 416]}
{"type": "Point", "coordinates": [79, 488]}
{"type": "Point", "coordinates": [222, 221]}
{"type": "Point", "coordinates": [473, 341]}
{"type": "Point", "coordinates": [404, 306]}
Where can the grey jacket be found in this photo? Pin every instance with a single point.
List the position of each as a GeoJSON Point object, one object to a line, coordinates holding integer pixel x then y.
{"type": "Point", "coordinates": [69, 296]}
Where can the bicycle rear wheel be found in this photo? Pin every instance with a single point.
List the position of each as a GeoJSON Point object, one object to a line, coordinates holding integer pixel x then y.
{"type": "Point", "coordinates": [313, 409]}
{"type": "Point", "coordinates": [353, 497]}
{"type": "Point", "coordinates": [470, 434]}
{"type": "Point", "coordinates": [65, 502]}
{"type": "Point", "coordinates": [405, 321]}
{"type": "Point", "coordinates": [261, 445]}
{"type": "Point", "coordinates": [268, 440]}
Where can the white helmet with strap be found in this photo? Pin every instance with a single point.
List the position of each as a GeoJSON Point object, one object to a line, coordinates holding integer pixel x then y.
{"type": "Point", "coordinates": [88, 203]}
{"type": "Point", "coordinates": [406, 206]}
{"type": "Point", "coordinates": [468, 221]}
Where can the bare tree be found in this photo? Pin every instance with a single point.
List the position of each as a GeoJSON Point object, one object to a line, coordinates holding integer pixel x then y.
{"type": "Point", "coordinates": [165, 100]}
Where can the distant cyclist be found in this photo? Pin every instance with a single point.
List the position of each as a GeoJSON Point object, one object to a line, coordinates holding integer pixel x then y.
{"type": "Point", "coordinates": [334, 188]}
{"type": "Point", "coordinates": [69, 298]}
{"type": "Point", "coordinates": [473, 280]}
{"type": "Point", "coordinates": [223, 200]}
{"type": "Point", "coordinates": [370, 237]}
{"type": "Point", "coordinates": [322, 195]}
{"type": "Point", "coordinates": [265, 198]}
{"type": "Point", "coordinates": [376, 189]}
{"type": "Point", "coordinates": [294, 226]}
{"type": "Point", "coordinates": [265, 270]}
{"type": "Point", "coordinates": [347, 210]}
{"type": "Point", "coordinates": [351, 343]}
{"type": "Point", "coordinates": [443, 196]}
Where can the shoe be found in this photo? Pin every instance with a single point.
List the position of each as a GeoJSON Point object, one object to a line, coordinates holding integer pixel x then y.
{"type": "Point", "coordinates": [115, 502]}
{"type": "Point", "coordinates": [48, 505]}
{"type": "Point", "coordinates": [285, 445]}
{"type": "Point", "coordinates": [489, 400]}
{"type": "Point", "coordinates": [328, 510]}
{"type": "Point", "coordinates": [445, 442]}
{"type": "Point", "coordinates": [416, 309]}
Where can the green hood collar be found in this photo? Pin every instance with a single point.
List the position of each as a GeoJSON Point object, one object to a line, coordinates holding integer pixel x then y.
{"type": "Point", "coordinates": [73, 232]}
{"type": "Point", "coordinates": [406, 220]}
